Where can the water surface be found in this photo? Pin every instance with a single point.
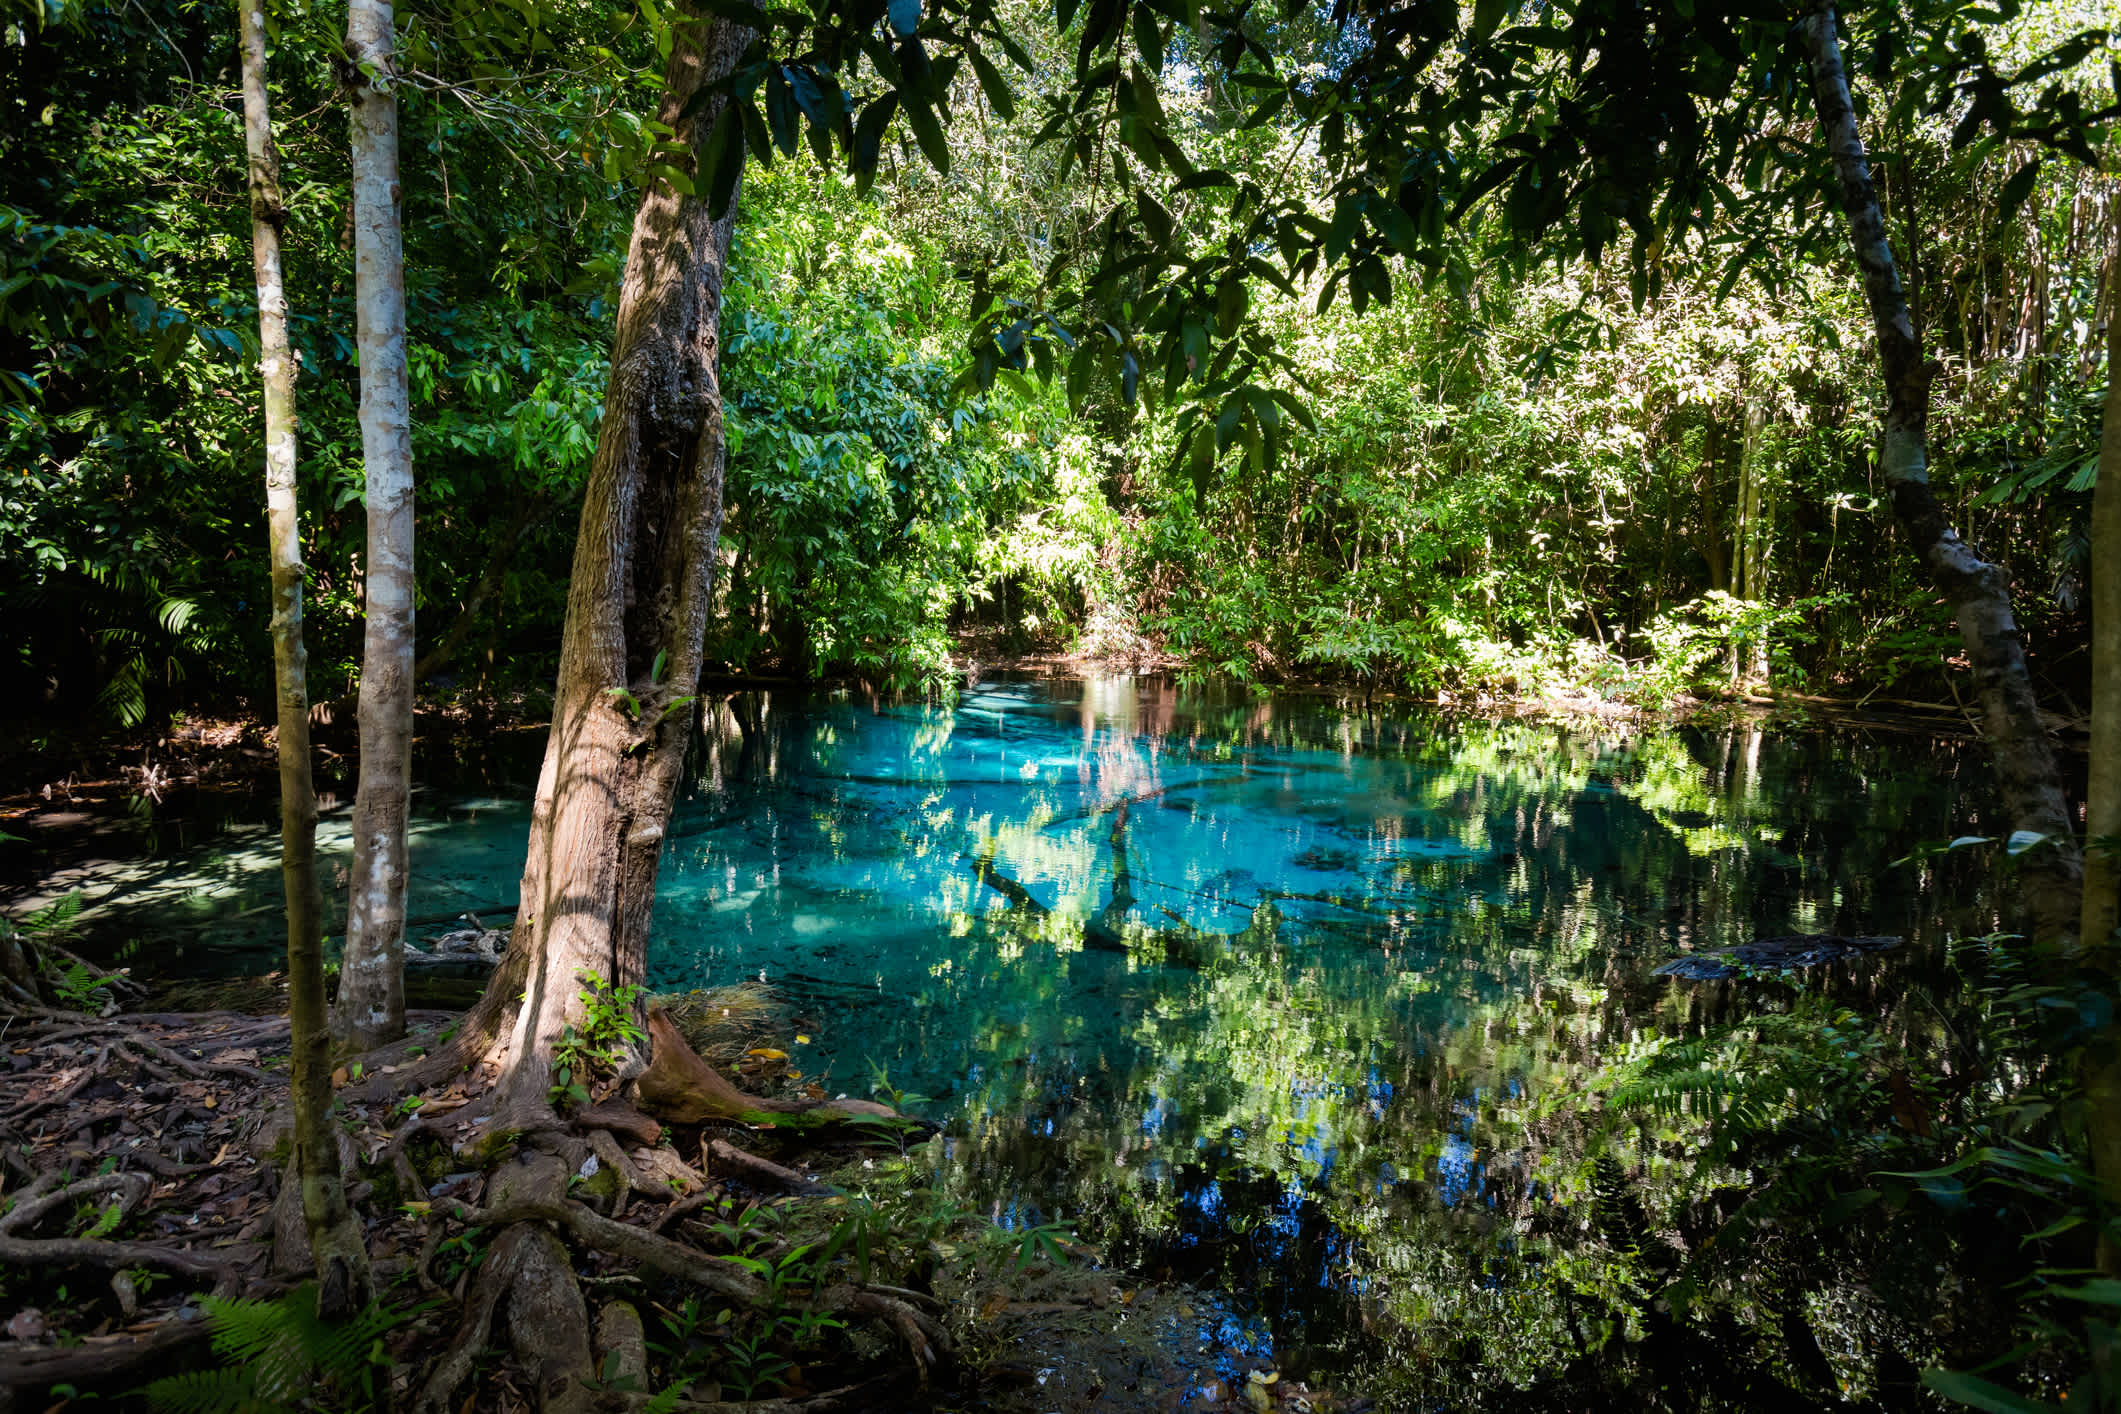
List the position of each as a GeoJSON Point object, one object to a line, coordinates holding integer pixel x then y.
{"type": "Point", "coordinates": [1266, 992]}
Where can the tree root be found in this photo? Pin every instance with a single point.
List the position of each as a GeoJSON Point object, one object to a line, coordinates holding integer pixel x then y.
{"type": "Point", "coordinates": [680, 1088]}
{"type": "Point", "coordinates": [628, 1178]}
{"type": "Point", "coordinates": [117, 1256]}
{"type": "Point", "coordinates": [760, 1173]}
{"type": "Point", "coordinates": [548, 1324]}
{"type": "Point", "coordinates": [662, 1254]}
{"type": "Point", "coordinates": [455, 1366]}
{"type": "Point", "coordinates": [922, 1337]}
{"type": "Point", "coordinates": [80, 1082]}
{"type": "Point", "coordinates": [35, 1367]}
{"type": "Point", "coordinates": [861, 1396]}
{"type": "Point", "coordinates": [197, 1069]}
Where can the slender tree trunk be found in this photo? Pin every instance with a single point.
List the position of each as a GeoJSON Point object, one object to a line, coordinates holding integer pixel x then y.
{"type": "Point", "coordinates": [2102, 797]}
{"type": "Point", "coordinates": [637, 609]}
{"type": "Point", "coordinates": [334, 1237]}
{"type": "Point", "coordinates": [1711, 531]}
{"type": "Point", "coordinates": [1749, 540]}
{"type": "Point", "coordinates": [2051, 875]}
{"type": "Point", "coordinates": [371, 1004]}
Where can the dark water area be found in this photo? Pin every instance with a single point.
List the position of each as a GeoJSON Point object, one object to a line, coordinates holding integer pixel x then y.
{"type": "Point", "coordinates": [1270, 994]}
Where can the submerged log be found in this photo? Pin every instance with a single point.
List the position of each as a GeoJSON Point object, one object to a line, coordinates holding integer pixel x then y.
{"type": "Point", "coordinates": [1791, 952]}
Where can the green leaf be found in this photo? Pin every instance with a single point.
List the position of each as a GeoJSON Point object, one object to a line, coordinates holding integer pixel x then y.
{"type": "Point", "coordinates": [929, 134]}
{"type": "Point", "coordinates": [1149, 38]}
{"type": "Point", "coordinates": [724, 159]}
{"type": "Point", "coordinates": [1231, 299]}
{"type": "Point", "coordinates": [1154, 216]}
{"type": "Point", "coordinates": [1394, 225]}
{"type": "Point", "coordinates": [868, 140]}
{"type": "Point", "coordinates": [781, 110]}
{"type": "Point", "coordinates": [2016, 190]}
{"type": "Point", "coordinates": [2102, 1291]}
{"type": "Point", "coordinates": [1980, 1394]}
{"type": "Point", "coordinates": [991, 83]}
{"type": "Point", "coordinates": [680, 181]}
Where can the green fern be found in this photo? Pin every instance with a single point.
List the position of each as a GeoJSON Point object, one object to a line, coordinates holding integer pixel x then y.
{"type": "Point", "coordinates": [1748, 1078]}
{"type": "Point", "coordinates": [275, 1353]}
{"type": "Point", "coordinates": [55, 920]}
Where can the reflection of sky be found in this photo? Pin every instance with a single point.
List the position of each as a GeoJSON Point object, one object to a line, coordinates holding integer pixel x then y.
{"type": "Point", "coordinates": [1390, 925]}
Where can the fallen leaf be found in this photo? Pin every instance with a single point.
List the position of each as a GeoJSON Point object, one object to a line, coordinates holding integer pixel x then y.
{"type": "Point", "coordinates": [338, 1078]}
{"type": "Point", "coordinates": [767, 1053]}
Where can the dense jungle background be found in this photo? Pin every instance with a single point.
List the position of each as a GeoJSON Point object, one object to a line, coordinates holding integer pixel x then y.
{"type": "Point", "coordinates": [1522, 477]}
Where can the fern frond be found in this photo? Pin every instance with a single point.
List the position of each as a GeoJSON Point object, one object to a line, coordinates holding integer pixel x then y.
{"type": "Point", "coordinates": [230, 1390]}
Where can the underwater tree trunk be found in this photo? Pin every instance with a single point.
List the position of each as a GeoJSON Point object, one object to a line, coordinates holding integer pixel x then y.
{"type": "Point", "coordinates": [335, 1241]}
{"type": "Point", "coordinates": [371, 1003]}
{"type": "Point", "coordinates": [637, 606]}
{"type": "Point", "coordinates": [2051, 874]}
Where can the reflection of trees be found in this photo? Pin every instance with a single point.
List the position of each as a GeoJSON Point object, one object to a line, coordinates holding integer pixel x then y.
{"type": "Point", "coordinates": [1350, 1106]}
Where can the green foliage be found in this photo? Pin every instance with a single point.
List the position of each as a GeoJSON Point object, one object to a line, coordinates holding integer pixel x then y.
{"type": "Point", "coordinates": [1048, 1240]}
{"type": "Point", "coordinates": [754, 1349]}
{"type": "Point", "coordinates": [277, 1354]}
{"type": "Point", "coordinates": [610, 1025]}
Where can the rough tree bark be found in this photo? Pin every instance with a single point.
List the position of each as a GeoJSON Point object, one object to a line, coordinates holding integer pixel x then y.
{"type": "Point", "coordinates": [637, 608]}
{"type": "Point", "coordinates": [334, 1237]}
{"type": "Point", "coordinates": [2051, 875]}
{"type": "Point", "coordinates": [371, 1003]}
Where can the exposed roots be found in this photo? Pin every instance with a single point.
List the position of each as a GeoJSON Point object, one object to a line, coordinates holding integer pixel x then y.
{"type": "Point", "coordinates": [53, 1193]}
{"type": "Point", "coordinates": [923, 1338]}
{"type": "Point", "coordinates": [171, 1106]}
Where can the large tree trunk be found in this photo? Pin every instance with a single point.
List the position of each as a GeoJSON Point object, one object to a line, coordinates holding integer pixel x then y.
{"type": "Point", "coordinates": [2051, 874]}
{"type": "Point", "coordinates": [334, 1237]}
{"type": "Point", "coordinates": [371, 1004]}
{"type": "Point", "coordinates": [637, 608]}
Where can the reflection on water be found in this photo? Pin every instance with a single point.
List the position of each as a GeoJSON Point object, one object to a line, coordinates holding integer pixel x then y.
{"type": "Point", "coordinates": [1262, 991]}
{"type": "Point", "coordinates": [1269, 990]}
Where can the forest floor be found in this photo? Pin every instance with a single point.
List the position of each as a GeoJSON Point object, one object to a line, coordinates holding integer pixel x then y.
{"type": "Point", "coordinates": [142, 1168]}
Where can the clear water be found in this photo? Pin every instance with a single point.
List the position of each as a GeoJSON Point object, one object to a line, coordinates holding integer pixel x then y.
{"type": "Point", "coordinates": [1362, 948]}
